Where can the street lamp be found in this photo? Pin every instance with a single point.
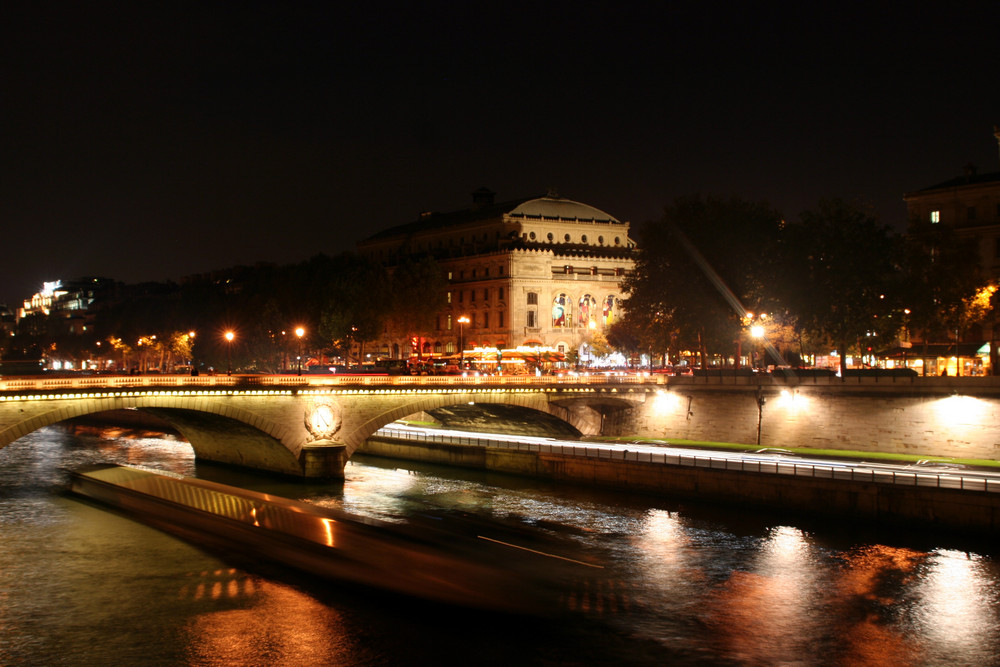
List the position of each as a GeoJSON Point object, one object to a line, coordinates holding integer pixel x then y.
{"type": "Point", "coordinates": [462, 321]}
{"type": "Point", "coordinates": [229, 352]}
{"type": "Point", "coordinates": [300, 332]}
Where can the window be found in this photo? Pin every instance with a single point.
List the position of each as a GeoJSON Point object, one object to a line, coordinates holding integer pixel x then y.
{"type": "Point", "coordinates": [472, 295]}
{"type": "Point", "coordinates": [608, 313]}
{"type": "Point", "coordinates": [486, 294]}
{"type": "Point", "coordinates": [561, 347]}
{"type": "Point", "coordinates": [531, 236]}
{"type": "Point", "coordinates": [561, 312]}
{"type": "Point", "coordinates": [500, 319]}
{"type": "Point", "coordinates": [460, 293]}
{"type": "Point", "coordinates": [549, 237]}
{"type": "Point", "coordinates": [970, 214]}
{"type": "Point", "coordinates": [532, 299]}
{"type": "Point", "coordinates": [935, 217]}
{"type": "Point", "coordinates": [500, 271]}
{"type": "Point", "coordinates": [531, 319]}
{"type": "Point", "coordinates": [499, 294]}
{"type": "Point", "coordinates": [449, 297]}
{"type": "Point", "coordinates": [588, 312]}
{"type": "Point", "coordinates": [449, 323]}
{"type": "Point", "coordinates": [618, 241]}
{"type": "Point", "coordinates": [583, 239]}
{"type": "Point", "coordinates": [486, 272]}
{"type": "Point", "coordinates": [566, 238]}
{"type": "Point", "coordinates": [600, 240]}
{"type": "Point", "coordinates": [486, 320]}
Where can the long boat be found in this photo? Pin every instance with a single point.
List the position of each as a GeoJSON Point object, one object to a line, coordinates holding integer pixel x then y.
{"type": "Point", "coordinates": [481, 565]}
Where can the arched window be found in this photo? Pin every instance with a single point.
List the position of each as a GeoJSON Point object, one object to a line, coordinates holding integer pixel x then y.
{"type": "Point", "coordinates": [549, 237]}
{"type": "Point", "coordinates": [561, 312]}
{"type": "Point", "coordinates": [588, 312]}
{"type": "Point", "coordinates": [583, 239]}
{"type": "Point", "coordinates": [610, 305]}
{"type": "Point", "coordinates": [567, 238]}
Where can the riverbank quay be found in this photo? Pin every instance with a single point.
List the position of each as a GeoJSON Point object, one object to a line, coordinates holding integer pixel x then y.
{"type": "Point", "coordinates": [927, 417]}
{"type": "Point", "coordinates": [939, 500]}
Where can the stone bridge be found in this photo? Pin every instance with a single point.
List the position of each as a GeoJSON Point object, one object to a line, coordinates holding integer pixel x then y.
{"type": "Point", "coordinates": [310, 426]}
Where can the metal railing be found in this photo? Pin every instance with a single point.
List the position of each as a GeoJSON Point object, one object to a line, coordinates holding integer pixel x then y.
{"type": "Point", "coordinates": [790, 468]}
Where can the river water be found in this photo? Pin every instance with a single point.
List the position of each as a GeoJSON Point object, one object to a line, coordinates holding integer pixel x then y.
{"type": "Point", "coordinates": [686, 584]}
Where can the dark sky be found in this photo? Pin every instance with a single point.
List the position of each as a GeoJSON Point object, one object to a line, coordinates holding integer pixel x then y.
{"type": "Point", "coordinates": [148, 140]}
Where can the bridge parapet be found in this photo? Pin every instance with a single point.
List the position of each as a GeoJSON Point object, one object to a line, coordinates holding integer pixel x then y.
{"type": "Point", "coordinates": [47, 384]}
{"type": "Point", "coordinates": [63, 383]}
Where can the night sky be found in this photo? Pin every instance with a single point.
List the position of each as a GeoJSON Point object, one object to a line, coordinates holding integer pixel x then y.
{"type": "Point", "coordinates": [149, 141]}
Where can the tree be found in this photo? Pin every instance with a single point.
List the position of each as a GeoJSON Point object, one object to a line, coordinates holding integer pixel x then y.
{"type": "Point", "coordinates": [700, 268]}
{"type": "Point", "coordinates": [843, 275]}
{"type": "Point", "coordinates": [355, 305]}
{"type": "Point", "coordinates": [417, 289]}
{"type": "Point", "coordinates": [941, 281]}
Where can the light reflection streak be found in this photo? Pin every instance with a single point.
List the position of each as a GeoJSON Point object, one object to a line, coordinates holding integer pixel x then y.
{"type": "Point", "coordinates": [957, 607]}
{"type": "Point", "coordinates": [328, 528]}
{"type": "Point", "coordinates": [765, 615]}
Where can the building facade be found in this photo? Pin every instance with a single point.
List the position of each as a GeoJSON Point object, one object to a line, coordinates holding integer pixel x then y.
{"type": "Point", "coordinates": [970, 204]}
{"type": "Point", "coordinates": [539, 272]}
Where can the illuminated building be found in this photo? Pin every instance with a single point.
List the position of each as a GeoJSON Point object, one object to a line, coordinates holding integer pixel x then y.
{"type": "Point", "coordinates": [970, 204]}
{"type": "Point", "coordinates": [540, 271]}
{"type": "Point", "coordinates": [65, 305]}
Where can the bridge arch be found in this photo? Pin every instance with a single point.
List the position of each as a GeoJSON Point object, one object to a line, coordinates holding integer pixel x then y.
{"type": "Point", "coordinates": [217, 430]}
{"type": "Point", "coordinates": [418, 403]}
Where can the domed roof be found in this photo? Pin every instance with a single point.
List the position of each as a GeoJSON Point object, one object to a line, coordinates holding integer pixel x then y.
{"type": "Point", "coordinates": [558, 208]}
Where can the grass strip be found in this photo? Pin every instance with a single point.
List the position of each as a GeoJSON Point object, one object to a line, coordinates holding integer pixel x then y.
{"type": "Point", "coordinates": [803, 451]}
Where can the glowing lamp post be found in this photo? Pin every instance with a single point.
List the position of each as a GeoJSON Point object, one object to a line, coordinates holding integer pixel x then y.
{"type": "Point", "coordinates": [757, 333]}
{"type": "Point", "coordinates": [300, 332]}
{"type": "Point", "coordinates": [229, 352]}
{"type": "Point", "coordinates": [462, 321]}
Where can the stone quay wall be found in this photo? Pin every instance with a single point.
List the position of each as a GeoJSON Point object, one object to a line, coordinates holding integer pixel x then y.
{"type": "Point", "coordinates": [948, 509]}
{"type": "Point", "coordinates": [927, 417]}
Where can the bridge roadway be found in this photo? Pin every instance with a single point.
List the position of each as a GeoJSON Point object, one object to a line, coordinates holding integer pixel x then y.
{"type": "Point", "coordinates": [304, 426]}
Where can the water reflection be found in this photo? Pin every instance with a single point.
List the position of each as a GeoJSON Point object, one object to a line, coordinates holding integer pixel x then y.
{"type": "Point", "coordinates": [684, 585]}
{"type": "Point", "coordinates": [955, 603]}
{"type": "Point", "coordinates": [276, 625]}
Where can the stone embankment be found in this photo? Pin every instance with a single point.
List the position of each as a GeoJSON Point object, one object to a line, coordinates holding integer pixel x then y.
{"type": "Point", "coordinates": [872, 500]}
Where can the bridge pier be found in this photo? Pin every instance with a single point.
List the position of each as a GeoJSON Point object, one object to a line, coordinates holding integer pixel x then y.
{"type": "Point", "coordinates": [323, 459]}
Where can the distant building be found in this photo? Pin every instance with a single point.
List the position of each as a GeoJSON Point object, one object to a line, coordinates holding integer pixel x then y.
{"type": "Point", "coordinates": [540, 271]}
{"type": "Point", "coordinates": [8, 322]}
{"type": "Point", "coordinates": [971, 204]}
{"type": "Point", "coordinates": [65, 306]}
